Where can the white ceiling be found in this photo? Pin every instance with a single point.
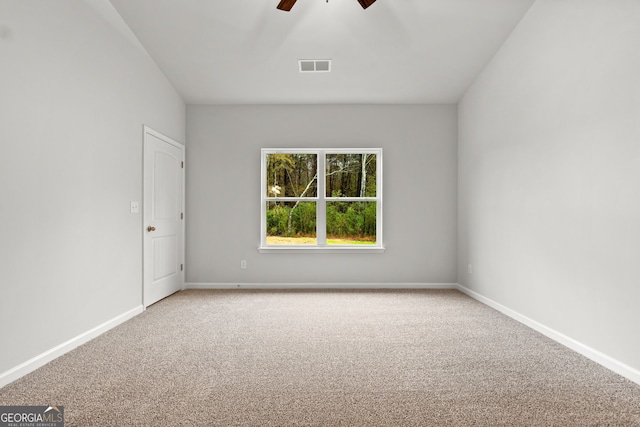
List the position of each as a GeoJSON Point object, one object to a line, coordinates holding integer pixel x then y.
{"type": "Point", "coordinates": [247, 51]}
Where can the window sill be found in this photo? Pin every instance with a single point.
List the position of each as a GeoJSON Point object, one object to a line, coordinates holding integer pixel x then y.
{"type": "Point", "coordinates": [320, 249]}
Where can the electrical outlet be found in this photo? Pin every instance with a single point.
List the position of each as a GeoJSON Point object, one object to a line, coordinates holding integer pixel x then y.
{"type": "Point", "coordinates": [243, 264]}
{"type": "Point", "coordinates": [470, 269]}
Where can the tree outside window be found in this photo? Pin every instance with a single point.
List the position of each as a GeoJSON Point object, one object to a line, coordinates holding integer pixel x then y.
{"type": "Point", "coordinates": [324, 198]}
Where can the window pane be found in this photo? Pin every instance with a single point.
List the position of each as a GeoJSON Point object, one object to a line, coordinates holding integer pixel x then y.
{"type": "Point", "coordinates": [292, 175]}
{"type": "Point", "coordinates": [351, 175]}
{"type": "Point", "coordinates": [351, 223]}
{"type": "Point", "coordinates": [291, 223]}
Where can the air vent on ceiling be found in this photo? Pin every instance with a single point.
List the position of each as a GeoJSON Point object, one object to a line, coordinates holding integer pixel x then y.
{"type": "Point", "coordinates": [314, 65]}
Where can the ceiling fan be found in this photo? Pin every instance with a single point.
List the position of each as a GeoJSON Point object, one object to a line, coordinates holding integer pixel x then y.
{"type": "Point", "coordinates": [286, 5]}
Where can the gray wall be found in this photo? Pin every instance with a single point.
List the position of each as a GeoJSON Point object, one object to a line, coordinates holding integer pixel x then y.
{"type": "Point", "coordinates": [548, 177]}
{"type": "Point", "coordinates": [75, 95]}
{"type": "Point", "coordinates": [549, 184]}
{"type": "Point", "coordinates": [223, 191]}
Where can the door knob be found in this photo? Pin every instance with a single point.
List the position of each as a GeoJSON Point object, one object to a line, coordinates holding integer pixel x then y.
{"type": "Point", "coordinates": [150, 229]}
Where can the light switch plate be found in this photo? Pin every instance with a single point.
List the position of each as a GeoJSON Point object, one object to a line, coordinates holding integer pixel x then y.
{"type": "Point", "coordinates": [135, 207]}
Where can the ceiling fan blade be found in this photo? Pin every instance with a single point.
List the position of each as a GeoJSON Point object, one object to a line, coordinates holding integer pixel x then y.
{"type": "Point", "coordinates": [366, 3]}
{"type": "Point", "coordinates": [286, 5]}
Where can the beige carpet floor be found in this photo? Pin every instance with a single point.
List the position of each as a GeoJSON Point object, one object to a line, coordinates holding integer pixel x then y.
{"type": "Point", "coordinates": [327, 358]}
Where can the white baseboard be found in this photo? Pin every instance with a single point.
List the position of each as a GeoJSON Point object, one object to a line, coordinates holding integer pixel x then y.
{"type": "Point", "coordinates": [616, 366]}
{"type": "Point", "coordinates": [608, 362]}
{"type": "Point", "coordinates": [321, 286]}
{"type": "Point", "coordinates": [57, 351]}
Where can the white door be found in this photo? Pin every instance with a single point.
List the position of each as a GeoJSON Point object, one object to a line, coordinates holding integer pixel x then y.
{"type": "Point", "coordinates": [163, 216]}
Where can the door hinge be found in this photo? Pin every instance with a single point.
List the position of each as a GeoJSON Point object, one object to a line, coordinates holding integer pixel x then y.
{"type": "Point", "coordinates": [182, 165]}
{"type": "Point", "coordinates": [181, 267]}
{"type": "Point", "coordinates": [181, 215]}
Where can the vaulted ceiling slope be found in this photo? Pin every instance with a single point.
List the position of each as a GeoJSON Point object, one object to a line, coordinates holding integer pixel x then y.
{"type": "Point", "coordinates": [395, 51]}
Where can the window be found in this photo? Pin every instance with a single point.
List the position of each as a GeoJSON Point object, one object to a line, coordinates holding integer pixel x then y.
{"type": "Point", "coordinates": [321, 200]}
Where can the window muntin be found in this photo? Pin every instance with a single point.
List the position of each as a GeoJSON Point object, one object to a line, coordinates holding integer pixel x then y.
{"type": "Point", "coordinates": [316, 199]}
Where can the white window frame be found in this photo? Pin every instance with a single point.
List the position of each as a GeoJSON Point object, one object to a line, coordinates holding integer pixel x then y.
{"type": "Point", "coordinates": [321, 203]}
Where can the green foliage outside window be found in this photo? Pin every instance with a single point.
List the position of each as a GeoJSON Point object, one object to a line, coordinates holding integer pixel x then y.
{"type": "Point", "coordinates": [351, 219]}
{"type": "Point", "coordinates": [345, 175]}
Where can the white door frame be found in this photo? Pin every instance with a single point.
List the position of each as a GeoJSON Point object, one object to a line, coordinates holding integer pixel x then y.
{"type": "Point", "coordinates": [145, 189]}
